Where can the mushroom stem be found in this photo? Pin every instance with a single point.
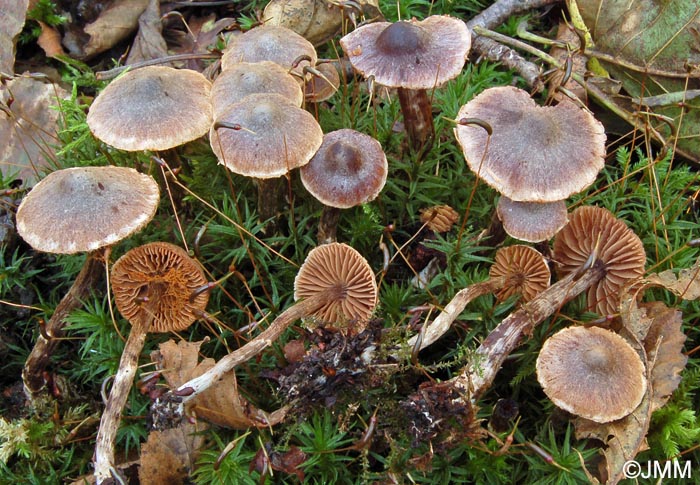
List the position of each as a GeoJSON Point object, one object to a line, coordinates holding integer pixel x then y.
{"type": "Point", "coordinates": [270, 197]}
{"type": "Point", "coordinates": [417, 113]}
{"type": "Point", "coordinates": [479, 374]}
{"type": "Point", "coordinates": [190, 389]}
{"type": "Point", "coordinates": [438, 327]}
{"type": "Point", "coordinates": [328, 225]}
{"type": "Point", "coordinates": [121, 385]}
{"type": "Point", "coordinates": [39, 357]}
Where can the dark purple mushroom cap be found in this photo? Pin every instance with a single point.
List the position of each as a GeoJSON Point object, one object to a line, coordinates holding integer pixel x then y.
{"type": "Point", "coordinates": [85, 208]}
{"type": "Point", "coordinates": [349, 169]}
{"type": "Point", "coordinates": [240, 80]}
{"type": "Point", "coordinates": [535, 153]}
{"type": "Point", "coordinates": [591, 372]}
{"type": "Point", "coordinates": [152, 108]}
{"type": "Point", "coordinates": [531, 221]}
{"type": "Point", "coordinates": [274, 137]}
{"type": "Point", "coordinates": [410, 54]}
{"type": "Point", "coordinates": [270, 43]}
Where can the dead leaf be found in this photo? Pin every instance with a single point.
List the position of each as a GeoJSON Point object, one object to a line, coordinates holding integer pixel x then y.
{"type": "Point", "coordinates": [113, 25]}
{"type": "Point", "coordinates": [316, 20]}
{"type": "Point", "coordinates": [221, 404]}
{"type": "Point", "coordinates": [686, 284]}
{"type": "Point", "coordinates": [200, 35]}
{"type": "Point", "coordinates": [28, 126]}
{"type": "Point", "coordinates": [149, 43]}
{"type": "Point", "coordinates": [566, 33]}
{"type": "Point", "coordinates": [12, 16]}
{"type": "Point", "coordinates": [168, 456]}
{"type": "Point", "coordinates": [50, 40]}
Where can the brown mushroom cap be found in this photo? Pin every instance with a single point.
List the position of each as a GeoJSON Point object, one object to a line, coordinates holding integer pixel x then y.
{"type": "Point", "coordinates": [410, 54]}
{"type": "Point", "coordinates": [531, 221]}
{"type": "Point", "coordinates": [318, 89]}
{"type": "Point", "coordinates": [535, 153]}
{"type": "Point", "coordinates": [349, 169]}
{"type": "Point", "coordinates": [85, 208]}
{"type": "Point", "coordinates": [591, 372]}
{"type": "Point", "coordinates": [274, 138]}
{"type": "Point", "coordinates": [617, 246]}
{"type": "Point", "coordinates": [159, 277]}
{"type": "Point", "coordinates": [240, 80]}
{"type": "Point", "coordinates": [338, 265]}
{"type": "Point", "coordinates": [152, 108]}
{"type": "Point", "coordinates": [270, 43]}
{"type": "Point", "coordinates": [525, 269]}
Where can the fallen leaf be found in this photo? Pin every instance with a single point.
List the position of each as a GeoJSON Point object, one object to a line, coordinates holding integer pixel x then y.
{"type": "Point", "coordinates": [148, 43]}
{"type": "Point", "coordinates": [168, 456]}
{"type": "Point", "coordinates": [566, 34]}
{"type": "Point", "coordinates": [12, 16]}
{"type": "Point", "coordinates": [686, 284]}
{"type": "Point", "coordinates": [113, 25]}
{"type": "Point", "coordinates": [50, 40]}
{"type": "Point", "coordinates": [201, 34]}
{"type": "Point", "coordinates": [28, 126]}
{"type": "Point", "coordinates": [221, 404]}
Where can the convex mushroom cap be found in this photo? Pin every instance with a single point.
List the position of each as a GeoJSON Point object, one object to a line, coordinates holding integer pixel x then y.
{"type": "Point", "coordinates": [596, 231]}
{"type": "Point", "coordinates": [85, 208]}
{"type": "Point", "coordinates": [338, 265]}
{"type": "Point", "coordinates": [349, 169]}
{"type": "Point", "coordinates": [152, 108]}
{"type": "Point", "coordinates": [270, 43]}
{"type": "Point", "coordinates": [410, 54]}
{"type": "Point", "coordinates": [535, 153]}
{"type": "Point", "coordinates": [591, 372]}
{"type": "Point", "coordinates": [525, 269]}
{"type": "Point", "coordinates": [273, 138]}
{"type": "Point", "coordinates": [531, 221]}
{"type": "Point", "coordinates": [240, 80]}
{"type": "Point", "coordinates": [159, 279]}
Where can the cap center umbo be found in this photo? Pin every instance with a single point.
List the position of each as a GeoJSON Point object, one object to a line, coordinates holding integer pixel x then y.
{"type": "Point", "coordinates": [598, 358]}
{"type": "Point", "coordinates": [401, 38]}
{"type": "Point", "coordinates": [344, 159]}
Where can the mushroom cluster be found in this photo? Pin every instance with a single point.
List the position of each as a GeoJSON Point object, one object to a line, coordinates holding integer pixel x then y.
{"type": "Point", "coordinates": [534, 156]}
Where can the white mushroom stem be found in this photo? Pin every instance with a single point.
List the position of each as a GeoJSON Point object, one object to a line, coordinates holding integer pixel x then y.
{"type": "Point", "coordinates": [121, 385]}
{"type": "Point", "coordinates": [328, 225]}
{"type": "Point", "coordinates": [39, 357]}
{"type": "Point", "coordinates": [438, 327]}
{"type": "Point", "coordinates": [417, 113]}
{"type": "Point", "coordinates": [479, 374]}
{"type": "Point", "coordinates": [190, 389]}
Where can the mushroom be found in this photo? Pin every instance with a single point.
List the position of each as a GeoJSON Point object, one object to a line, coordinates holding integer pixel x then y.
{"type": "Point", "coordinates": [264, 137]}
{"type": "Point", "coordinates": [323, 85]}
{"type": "Point", "coordinates": [412, 56]}
{"type": "Point", "coordinates": [271, 43]}
{"type": "Point", "coordinates": [155, 290]}
{"type": "Point", "coordinates": [608, 256]}
{"type": "Point", "coordinates": [345, 293]}
{"type": "Point", "coordinates": [439, 218]}
{"type": "Point", "coordinates": [595, 231]}
{"type": "Point", "coordinates": [516, 269]}
{"type": "Point", "coordinates": [74, 210]}
{"type": "Point", "coordinates": [239, 80]}
{"type": "Point", "coordinates": [591, 372]}
{"type": "Point", "coordinates": [530, 154]}
{"type": "Point", "coordinates": [349, 169]}
{"type": "Point", "coordinates": [531, 221]}
{"type": "Point", "coordinates": [152, 108]}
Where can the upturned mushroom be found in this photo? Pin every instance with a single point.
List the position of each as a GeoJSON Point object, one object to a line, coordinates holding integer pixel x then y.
{"type": "Point", "coordinates": [349, 169]}
{"type": "Point", "coordinates": [591, 372]}
{"type": "Point", "coordinates": [412, 56]}
{"type": "Point", "coordinates": [516, 269]}
{"type": "Point", "coordinates": [531, 221]}
{"type": "Point", "coordinates": [75, 210]}
{"type": "Point", "coordinates": [152, 108]}
{"type": "Point", "coordinates": [335, 283]}
{"type": "Point", "coordinates": [155, 290]}
{"type": "Point", "coordinates": [264, 137]}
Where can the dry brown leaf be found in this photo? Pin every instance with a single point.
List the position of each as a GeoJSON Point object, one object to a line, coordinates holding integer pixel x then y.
{"type": "Point", "coordinates": [113, 25]}
{"type": "Point", "coordinates": [50, 40]}
{"type": "Point", "coordinates": [566, 33]}
{"type": "Point", "coordinates": [623, 438]}
{"type": "Point", "coordinates": [201, 34]}
{"type": "Point", "coordinates": [168, 456]}
{"type": "Point", "coordinates": [148, 43]}
{"type": "Point", "coordinates": [221, 404]}
{"type": "Point", "coordinates": [28, 127]}
{"type": "Point", "coordinates": [685, 284]}
{"type": "Point", "coordinates": [12, 16]}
